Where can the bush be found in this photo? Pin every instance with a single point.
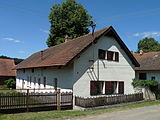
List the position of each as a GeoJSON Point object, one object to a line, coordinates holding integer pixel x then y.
{"type": "Point", "coordinates": [153, 85]}
{"type": "Point", "coordinates": [10, 83]}
{"type": "Point", "coordinates": [145, 83]}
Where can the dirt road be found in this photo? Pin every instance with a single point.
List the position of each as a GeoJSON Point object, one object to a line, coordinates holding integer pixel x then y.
{"type": "Point", "coordinates": [142, 113]}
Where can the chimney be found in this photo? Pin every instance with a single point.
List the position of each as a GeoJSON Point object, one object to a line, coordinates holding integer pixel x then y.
{"type": "Point", "coordinates": [42, 55]}
{"type": "Point", "coordinates": [67, 38]}
{"type": "Point", "coordinates": [141, 52]}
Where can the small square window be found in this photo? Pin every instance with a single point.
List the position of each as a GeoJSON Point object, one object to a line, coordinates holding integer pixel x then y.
{"type": "Point", "coordinates": [153, 78]}
{"type": "Point", "coordinates": [142, 76]}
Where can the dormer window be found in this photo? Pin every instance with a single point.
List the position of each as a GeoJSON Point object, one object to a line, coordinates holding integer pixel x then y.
{"type": "Point", "coordinates": [108, 55]}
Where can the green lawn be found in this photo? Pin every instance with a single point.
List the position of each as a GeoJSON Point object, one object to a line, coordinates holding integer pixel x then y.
{"type": "Point", "coordinates": [47, 115]}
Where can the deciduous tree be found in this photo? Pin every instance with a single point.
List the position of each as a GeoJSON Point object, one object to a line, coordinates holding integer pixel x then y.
{"type": "Point", "coordinates": [148, 45]}
{"type": "Point", "coordinates": [69, 18]}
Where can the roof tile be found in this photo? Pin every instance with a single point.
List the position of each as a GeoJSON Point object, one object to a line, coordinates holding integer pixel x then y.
{"type": "Point", "coordinates": [6, 66]}
{"type": "Point", "coordinates": [64, 53]}
{"type": "Point", "coordinates": [148, 61]}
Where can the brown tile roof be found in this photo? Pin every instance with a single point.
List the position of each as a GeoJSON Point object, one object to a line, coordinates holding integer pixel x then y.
{"type": "Point", "coordinates": [148, 61]}
{"type": "Point", "coordinates": [6, 66]}
{"type": "Point", "coordinates": [64, 53]}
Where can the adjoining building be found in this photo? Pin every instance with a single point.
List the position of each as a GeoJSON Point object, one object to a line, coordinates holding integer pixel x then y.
{"type": "Point", "coordinates": [149, 66]}
{"type": "Point", "coordinates": [6, 72]}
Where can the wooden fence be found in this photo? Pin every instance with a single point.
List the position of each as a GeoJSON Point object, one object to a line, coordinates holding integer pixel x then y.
{"type": "Point", "coordinates": [28, 99]}
{"type": "Point", "coordinates": [108, 100]}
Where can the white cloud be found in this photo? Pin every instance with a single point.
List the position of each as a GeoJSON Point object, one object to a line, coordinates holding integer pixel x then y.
{"type": "Point", "coordinates": [17, 41]}
{"type": "Point", "coordinates": [9, 39]}
{"type": "Point", "coordinates": [12, 39]}
{"type": "Point", "coordinates": [22, 52]}
{"type": "Point", "coordinates": [147, 34]}
{"type": "Point", "coordinates": [45, 31]}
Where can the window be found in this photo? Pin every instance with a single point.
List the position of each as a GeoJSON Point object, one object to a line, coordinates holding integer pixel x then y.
{"type": "Point", "coordinates": [117, 56]}
{"type": "Point", "coordinates": [55, 82]}
{"type": "Point", "coordinates": [32, 70]}
{"type": "Point", "coordinates": [106, 87]}
{"type": "Point", "coordinates": [142, 76]}
{"type": "Point", "coordinates": [30, 80]}
{"type": "Point", "coordinates": [153, 78]}
{"type": "Point", "coordinates": [96, 87]}
{"type": "Point", "coordinates": [39, 82]}
{"type": "Point", "coordinates": [101, 54]}
{"type": "Point", "coordinates": [44, 82]}
{"type": "Point", "coordinates": [23, 83]}
{"type": "Point", "coordinates": [111, 87]}
{"type": "Point", "coordinates": [121, 88]}
{"type": "Point", "coordinates": [23, 70]}
{"type": "Point", "coordinates": [34, 80]}
{"type": "Point", "coordinates": [108, 55]}
{"type": "Point", "coordinates": [27, 80]}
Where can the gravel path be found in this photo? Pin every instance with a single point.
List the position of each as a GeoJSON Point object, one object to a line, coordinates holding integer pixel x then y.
{"type": "Point", "coordinates": [142, 113]}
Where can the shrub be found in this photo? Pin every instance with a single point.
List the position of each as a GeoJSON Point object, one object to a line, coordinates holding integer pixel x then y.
{"type": "Point", "coordinates": [153, 85]}
{"type": "Point", "coordinates": [10, 83]}
{"type": "Point", "coordinates": [145, 83]}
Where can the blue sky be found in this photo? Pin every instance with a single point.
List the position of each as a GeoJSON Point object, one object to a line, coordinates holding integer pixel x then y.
{"type": "Point", "coordinates": [24, 24]}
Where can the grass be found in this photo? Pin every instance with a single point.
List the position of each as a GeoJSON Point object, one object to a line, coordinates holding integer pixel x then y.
{"type": "Point", "coordinates": [4, 89]}
{"type": "Point", "coordinates": [47, 115]}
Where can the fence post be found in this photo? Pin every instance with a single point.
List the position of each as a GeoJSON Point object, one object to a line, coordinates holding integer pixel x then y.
{"type": "Point", "coordinates": [58, 99]}
{"type": "Point", "coordinates": [27, 102]}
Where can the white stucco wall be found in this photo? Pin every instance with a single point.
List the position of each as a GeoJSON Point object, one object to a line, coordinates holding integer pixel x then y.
{"type": "Point", "coordinates": [108, 70]}
{"type": "Point", "coordinates": [78, 75]}
{"type": "Point", "coordinates": [149, 74]}
{"type": "Point", "coordinates": [64, 76]}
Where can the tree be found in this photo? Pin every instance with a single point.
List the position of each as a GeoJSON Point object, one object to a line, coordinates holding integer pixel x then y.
{"type": "Point", "coordinates": [148, 45]}
{"type": "Point", "coordinates": [16, 60]}
{"type": "Point", "coordinates": [69, 18]}
{"type": "Point", "coordinates": [11, 83]}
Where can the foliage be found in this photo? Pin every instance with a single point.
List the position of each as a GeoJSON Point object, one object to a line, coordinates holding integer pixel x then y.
{"type": "Point", "coordinates": [10, 83]}
{"type": "Point", "coordinates": [153, 85]}
{"type": "Point", "coordinates": [16, 60]}
{"type": "Point", "coordinates": [69, 18]}
{"type": "Point", "coordinates": [148, 45]}
{"type": "Point", "coordinates": [144, 83]}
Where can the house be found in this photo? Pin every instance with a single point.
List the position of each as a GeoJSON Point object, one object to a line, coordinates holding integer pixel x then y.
{"type": "Point", "coordinates": [149, 66]}
{"type": "Point", "coordinates": [90, 65]}
{"type": "Point", "coordinates": [6, 71]}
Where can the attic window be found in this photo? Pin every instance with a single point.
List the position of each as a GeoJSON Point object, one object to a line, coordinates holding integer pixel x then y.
{"type": "Point", "coordinates": [101, 54]}
{"type": "Point", "coordinates": [108, 55]}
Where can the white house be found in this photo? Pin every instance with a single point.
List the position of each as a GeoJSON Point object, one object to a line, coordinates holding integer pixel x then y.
{"type": "Point", "coordinates": [149, 66]}
{"type": "Point", "coordinates": [90, 65]}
